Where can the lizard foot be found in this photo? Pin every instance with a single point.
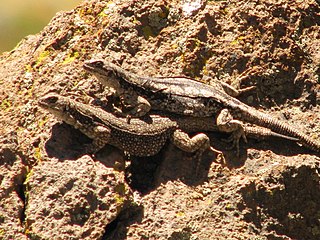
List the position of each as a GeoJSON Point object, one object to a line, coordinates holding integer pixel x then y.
{"type": "Point", "coordinates": [137, 106]}
{"type": "Point", "coordinates": [235, 140]}
{"type": "Point", "coordinates": [245, 90]}
{"type": "Point", "coordinates": [226, 123]}
{"type": "Point", "coordinates": [228, 89]}
{"type": "Point", "coordinates": [198, 156]}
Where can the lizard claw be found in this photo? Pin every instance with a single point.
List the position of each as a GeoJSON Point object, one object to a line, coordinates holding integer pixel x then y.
{"type": "Point", "coordinates": [128, 118]}
{"type": "Point", "coordinates": [247, 89]}
{"type": "Point", "coordinates": [198, 156]}
{"type": "Point", "coordinates": [235, 139]}
{"type": "Point", "coordinates": [215, 150]}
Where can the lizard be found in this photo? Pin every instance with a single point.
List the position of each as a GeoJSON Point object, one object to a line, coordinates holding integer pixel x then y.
{"type": "Point", "coordinates": [186, 96]}
{"type": "Point", "coordinates": [140, 137]}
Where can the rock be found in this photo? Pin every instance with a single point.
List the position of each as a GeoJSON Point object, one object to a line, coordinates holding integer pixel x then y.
{"type": "Point", "coordinates": [12, 200]}
{"type": "Point", "coordinates": [50, 189]}
{"type": "Point", "coordinates": [73, 199]}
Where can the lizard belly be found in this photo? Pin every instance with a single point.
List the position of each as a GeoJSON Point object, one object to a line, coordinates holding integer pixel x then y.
{"type": "Point", "coordinates": [139, 145]}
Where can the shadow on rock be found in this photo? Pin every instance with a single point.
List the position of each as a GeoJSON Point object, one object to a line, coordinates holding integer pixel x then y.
{"type": "Point", "coordinates": [118, 228]}
{"type": "Point", "coordinates": [69, 143]}
{"type": "Point", "coordinates": [183, 166]}
{"type": "Point", "coordinates": [278, 146]}
{"type": "Point", "coordinates": [66, 142]}
{"type": "Point", "coordinates": [147, 173]}
{"type": "Point", "coordinates": [140, 174]}
{"type": "Point", "coordinates": [286, 202]}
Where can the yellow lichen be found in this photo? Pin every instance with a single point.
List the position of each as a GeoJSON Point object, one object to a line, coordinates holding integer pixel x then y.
{"type": "Point", "coordinates": [84, 11]}
{"type": "Point", "coordinates": [6, 104]}
{"type": "Point", "coordinates": [37, 153]}
{"type": "Point", "coordinates": [42, 56]}
{"type": "Point", "coordinates": [197, 42]}
{"type": "Point", "coordinates": [103, 13]}
{"type": "Point", "coordinates": [180, 214]}
{"type": "Point", "coordinates": [229, 207]}
{"type": "Point", "coordinates": [42, 121]}
{"type": "Point", "coordinates": [135, 21]}
{"type": "Point", "coordinates": [205, 70]}
{"type": "Point", "coordinates": [28, 68]}
{"type": "Point", "coordinates": [71, 57]}
{"type": "Point", "coordinates": [28, 176]}
{"type": "Point", "coordinates": [30, 92]}
{"type": "Point", "coordinates": [119, 199]}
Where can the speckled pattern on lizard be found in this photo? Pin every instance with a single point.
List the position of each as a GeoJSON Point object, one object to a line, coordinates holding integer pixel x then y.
{"type": "Point", "coordinates": [186, 96]}
{"type": "Point", "coordinates": [141, 137]}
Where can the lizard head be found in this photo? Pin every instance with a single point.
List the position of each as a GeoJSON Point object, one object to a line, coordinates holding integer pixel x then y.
{"type": "Point", "coordinates": [64, 108]}
{"type": "Point", "coordinates": [54, 103]}
{"type": "Point", "coordinates": [106, 72]}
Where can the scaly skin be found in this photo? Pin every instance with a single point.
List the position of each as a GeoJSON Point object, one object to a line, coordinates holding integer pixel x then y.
{"type": "Point", "coordinates": [185, 96]}
{"type": "Point", "coordinates": [139, 138]}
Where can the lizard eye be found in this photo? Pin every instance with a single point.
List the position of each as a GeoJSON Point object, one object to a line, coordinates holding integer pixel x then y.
{"type": "Point", "coordinates": [99, 64]}
{"type": "Point", "coordinates": [52, 99]}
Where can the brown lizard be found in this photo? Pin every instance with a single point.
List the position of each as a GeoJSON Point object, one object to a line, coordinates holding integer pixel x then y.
{"type": "Point", "coordinates": [140, 137]}
{"type": "Point", "coordinates": [186, 96]}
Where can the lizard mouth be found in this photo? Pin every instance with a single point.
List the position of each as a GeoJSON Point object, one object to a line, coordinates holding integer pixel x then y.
{"type": "Point", "coordinates": [87, 67]}
{"type": "Point", "coordinates": [93, 65]}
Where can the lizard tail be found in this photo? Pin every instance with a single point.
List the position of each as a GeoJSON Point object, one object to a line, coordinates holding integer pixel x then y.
{"type": "Point", "coordinates": [264, 133]}
{"type": "Point", "coordinates": [283, 128]}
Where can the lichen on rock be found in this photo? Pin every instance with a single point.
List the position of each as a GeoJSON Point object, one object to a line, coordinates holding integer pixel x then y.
{"type": "Point", "coordinates": [50, 189]}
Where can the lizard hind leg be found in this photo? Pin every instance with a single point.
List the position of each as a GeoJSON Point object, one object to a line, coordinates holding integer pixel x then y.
{"type": "Point", "coordinates": [227, 124]}
{"type": "Point", "coordinates": [197, 144]}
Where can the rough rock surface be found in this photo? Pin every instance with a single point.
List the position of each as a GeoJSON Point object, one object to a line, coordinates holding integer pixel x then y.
{"type": "Point", "coordinates": [12, 172]}
{"type": "Point", "coordinates": [50, 189]}
{"type": "Point", "coordinates": [79, 203]}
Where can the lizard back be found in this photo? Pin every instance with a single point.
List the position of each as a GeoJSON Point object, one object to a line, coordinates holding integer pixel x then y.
{"type": "Point", "coordinates": [139, 138]}
{"type": "Point", "coordinates": [180, 95]}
